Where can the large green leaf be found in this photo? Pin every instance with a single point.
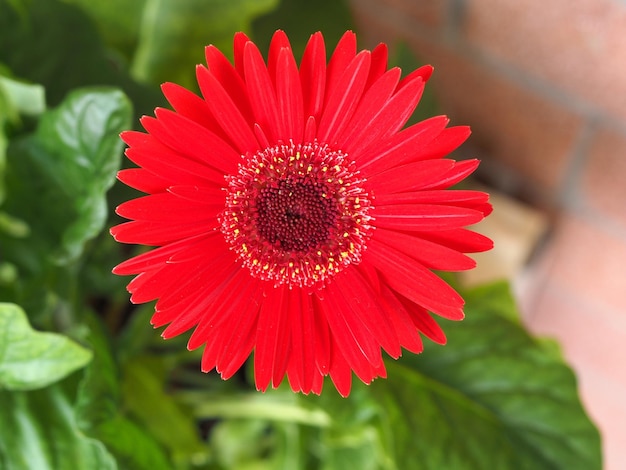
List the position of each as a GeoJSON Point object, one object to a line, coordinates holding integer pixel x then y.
{"type": "Point", "coordinates": [58, 177]}
{"type": "Point", "coordinates": [175, 32]}
{"type": "Point", "coordinates": [30, 359]}
{"type": "Point", "coordinates": [39, 432]}
{"type": "Point", "coordinates": [493, 397]}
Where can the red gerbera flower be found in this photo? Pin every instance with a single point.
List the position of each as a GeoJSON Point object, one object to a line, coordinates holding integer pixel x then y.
{"type": "Point", "coordinates": [294, 218]}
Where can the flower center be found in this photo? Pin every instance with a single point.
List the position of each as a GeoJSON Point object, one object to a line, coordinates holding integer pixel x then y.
{"type": "Point", "coordinates": [297, 214]}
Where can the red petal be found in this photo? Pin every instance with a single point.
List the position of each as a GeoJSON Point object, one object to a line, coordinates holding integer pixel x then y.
{"type": "Point", "coordinates": [365, 307]}
{"type": "Point", "coordinates": [289, 94]}
{"type": "Point", "coordinates": [318, 384]}
{"type": "Point", "coordinates": [172, 282]}
{"type": "Point", "coordinates": [150, 285]}
{"type": "Point", "coordinates": [165, 207]}
{"type": "Point", "coordinates": [370, 275]}
{"type": "Point", "coordinates": [445, 143]}
{"type": "Point", "coordinates": [380, 56]}
{"type": "Point", "coordinates": [302, 363]}
{"type": "Point", "coordinates": [200, 195]}
{"type": "Point", "coordinates": [401, 147]}
{"type": "Point", "coordinates": [313, 75]}
{"type": "Point", "coordinates": [153, 258]}
{"type": "Point", "coordinates": [343, 98]}
{"type": "Point", "coordinates": [460, 171]}
{"type": "Point", "coordinates": [233, 83]}
{"type": "Point", "coordinates": [340, 372]}
{"type": "Point", "coordinates": [190, 105]}
{"type": "Point", "coordinates": [416, 217]}
{"type": "Point", "coordinates": [456, 197]}
{"type": "Point", "coordinates": [267, 336]}
{"type": "Point", "coordinates": [355, 342]}
{"type": "Point", "coordinates": [158, 159]}
{"type": "Point", "coordinates": [279, 42]}
{"type": "Point", "coordinates": [424, 72]}
{"type": "Point", "coordinates": [459, 239]}
{"type": "Point", "coordinates": [142, 180]}
{"type": "Point", "coordinates": [283, 342]}
{"type": "Point", "coordinates": [424, 322]}
{"type": "Point", "coordinates": [226, 112]}
{"type": "Point", "coordinates": [239, 43]}
{"type": "Point", "coordinates": [388, 119]}
{"type": "Point", "coordinates": [411, 176]}
{"type": "Point", "coordinates": [405, 329]}
{"type": "Point", "coordinates": [261, 93]}
{"type": "Point", "coordinates": [431, 255]}
{"type": "Point", "coordinates": [322, 336]}
{"type": "Point", "coordinates": [370, 106]}
{"type": "Point", "coordinates": [240, 320]}
{"type": "Point", "coordinates": [342, 56]}
{"type": "Point", "coordinates": [195, 141]}
{"type": "Point", "coordinates": [218, 303]}
{"type": "Point", "coordinates": [156, 234]}
{"type": "Point", "coordinates": [412, 280]}
{"type": "Point", "coordinates": [207, 275]}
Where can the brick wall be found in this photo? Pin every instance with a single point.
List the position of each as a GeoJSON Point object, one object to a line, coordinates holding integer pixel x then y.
{"type": "Point", "coordinates": [543, 85]}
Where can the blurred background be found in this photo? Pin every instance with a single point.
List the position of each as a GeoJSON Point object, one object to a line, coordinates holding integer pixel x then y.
{"type": "Point", "coordinates": [543, 86]}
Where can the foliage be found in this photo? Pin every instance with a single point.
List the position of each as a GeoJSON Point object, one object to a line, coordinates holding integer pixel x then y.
{"type": "Point", "coordinates": [84, 381]}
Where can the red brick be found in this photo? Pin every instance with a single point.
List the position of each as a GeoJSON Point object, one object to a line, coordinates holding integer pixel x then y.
{"type": "Point", "coordinates": [604, 402]}
{"type": "Point", "coordinates": [592, 340]}
{"type": "Point", "coordinates": [604, 178]}
{"type": "Point", "coordinates": [591, 336]}
{"type": "Point", "coordinates": [579, 45]}
{"type": "Point", "coordinates": [589, 262]}
{"type": "Point", "coordinates": [430, 13]}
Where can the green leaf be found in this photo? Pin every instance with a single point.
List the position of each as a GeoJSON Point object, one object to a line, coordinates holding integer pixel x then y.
{"type": "Point", "coordinates": [279, 429]}
{"type": "Point", "coordinates": [133, 446]}
{"type": "Point", "coordinates": [81, 136]}
{"type": "Point", "coordinates": [39, 432]}
{"type": "Point", "coordinates": [30, 359]}
{"type": "Point", "coordinates": [58, 177]}
{"type": "Point", "coordinates": [171, 424]}
{"type": "Point", "coordinates": [175, 32]}
{"type": "Point", "coordinates": [493, 397]}
{"type": "Point", "coordinates": [98, 396]}
{"type": "Point", "coordinates": [22, 98]}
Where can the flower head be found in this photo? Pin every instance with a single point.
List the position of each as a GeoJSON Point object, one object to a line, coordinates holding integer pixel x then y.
{"type": "Point", "coordinates": [293, 217]}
